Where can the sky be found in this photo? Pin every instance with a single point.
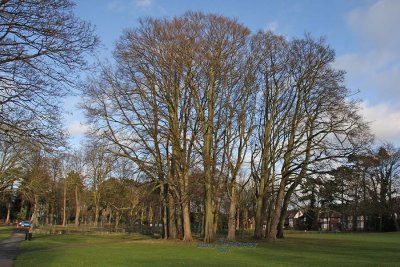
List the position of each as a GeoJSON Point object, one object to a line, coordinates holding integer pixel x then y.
{"type": "Point", "coordinates": [364, 33]}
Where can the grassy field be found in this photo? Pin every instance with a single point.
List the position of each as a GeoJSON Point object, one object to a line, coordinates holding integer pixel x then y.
{"type": "Point", "coordinates": [5, 232]}
{"type": "Point", "coordinates": [297, 249]}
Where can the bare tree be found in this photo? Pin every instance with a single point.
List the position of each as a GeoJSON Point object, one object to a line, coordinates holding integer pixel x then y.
{"type": "Point", "coordinates": [10, 164]}
{"type": "Point", "coordinates": [221, 44]}
{"type": "Point", "coordinates": [239, 115]}
{"type": "Point", "coordinates": [74, 179]}
{"type": "Point", "coordinates": [10, 172]}
{"type": "Point", "coordinates": [37, 174]}
{"type": "Point", "coordinates": [163, 73]}
{"type": "Point", "coordinates": [273, 106]}
{"type": "Point", "coordinates": [43, 46]}
{"type": "Point", "coordinates": [99, 165]}
{"type": "Point", "coordinates": [305, 120]}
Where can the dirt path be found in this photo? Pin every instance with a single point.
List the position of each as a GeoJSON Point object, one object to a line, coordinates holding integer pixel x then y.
{"type": "Point", "coordinates": [9, 248]}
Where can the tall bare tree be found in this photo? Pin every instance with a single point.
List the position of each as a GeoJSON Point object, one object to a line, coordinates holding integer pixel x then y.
{"type": "Point", "coordinates": [239, 116]}
{"type": "Point", "coordinates": [99, 165]}
{"type": "Point", "coordinates": [43, 47]}
{"type": "Point", "coordinates": [306, 119]}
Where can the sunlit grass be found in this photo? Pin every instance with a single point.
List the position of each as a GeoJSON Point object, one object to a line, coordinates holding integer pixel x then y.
{"type": "Point", "coordinates": [5, 232]}
{"type": "Point", "coordinates": [297, 249]}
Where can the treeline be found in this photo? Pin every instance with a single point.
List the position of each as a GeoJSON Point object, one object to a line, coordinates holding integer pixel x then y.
{"type": "Point", "coordinates": [88, 187]}
{"type": "Point", "coordinates": [95, 188]}
{"type": "Point", "coordinates": [364, 189]}
{"type": "Point", "coordinates": [200, 125]}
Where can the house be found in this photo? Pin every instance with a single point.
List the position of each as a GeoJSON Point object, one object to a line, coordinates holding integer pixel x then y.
{"type": "Point", "coordinates": [360, 223]}
{"type": "Point", "coordinates": [293, 219]}
{"type": "Point", "coordinates": [330, 221]}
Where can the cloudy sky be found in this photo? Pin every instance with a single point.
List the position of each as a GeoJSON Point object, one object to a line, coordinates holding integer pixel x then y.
{"type": "Point", "coordinates": [364, 33]}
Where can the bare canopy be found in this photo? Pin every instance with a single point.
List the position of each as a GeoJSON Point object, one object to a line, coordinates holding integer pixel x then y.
{"type": "Point", "coordinates": [42, 46]}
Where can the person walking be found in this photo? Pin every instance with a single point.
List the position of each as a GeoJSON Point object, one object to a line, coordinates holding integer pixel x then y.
{"type": "Point", "coordinates": [30, 232]}
{"type": "Point", "coordinates": [26, 233]}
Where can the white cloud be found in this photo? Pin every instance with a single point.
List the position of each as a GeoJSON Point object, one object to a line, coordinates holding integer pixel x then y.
{"type": "Point", "coordinates": [116, 6]}
{"type": "Point", "coordinates": [384, 121]}
{"type": "Point", "coordinates": [272, 26]}
{"type": "Point", "coordinates": [378, 24]}
{"type": "Point", "coordinates": [121, 6]}
{"type": "Point", "coordinates": [374, 69]}
{"type": "Point", "coordinates": [77, 128]}
{"type": "Point", "coordinates": [143, 3]}
{"type": "Point", "coordinates": [376, 74]}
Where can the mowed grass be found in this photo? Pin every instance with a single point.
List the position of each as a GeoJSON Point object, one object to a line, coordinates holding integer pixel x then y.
{"type": "Point", "coordinates": [297, 249]}
{"type": "Point", "coordinates": [5, 232]}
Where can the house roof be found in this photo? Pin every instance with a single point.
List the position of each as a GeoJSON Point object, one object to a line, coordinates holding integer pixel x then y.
{"type": "Point", "coordinates": [294, 214]}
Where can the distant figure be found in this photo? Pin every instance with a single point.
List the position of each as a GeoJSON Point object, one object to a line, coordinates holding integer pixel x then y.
{"type": "Point", "coordinates": [26, 233]}
{"type": "Point", "coordinates": [29, 232]}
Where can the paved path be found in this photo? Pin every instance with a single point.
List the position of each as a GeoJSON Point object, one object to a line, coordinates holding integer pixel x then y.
{"type": "Point", "coordinates": [9, 248]}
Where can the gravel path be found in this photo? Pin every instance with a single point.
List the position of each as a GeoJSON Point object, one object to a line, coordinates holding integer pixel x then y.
{"type": "Point", "coordinates": [9, 248]}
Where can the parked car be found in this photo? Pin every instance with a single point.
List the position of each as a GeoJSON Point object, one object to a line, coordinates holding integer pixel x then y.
{"type": "Point", "coordinates": [25, 224]}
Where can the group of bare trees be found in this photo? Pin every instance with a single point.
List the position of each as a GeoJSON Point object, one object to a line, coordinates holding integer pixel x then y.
{"type": "Point", "coordinates": [88, 187]}
{"type": "Point", "coordinates": [197, 121]}
{"type": "Point", "coordinates": [200, 93]}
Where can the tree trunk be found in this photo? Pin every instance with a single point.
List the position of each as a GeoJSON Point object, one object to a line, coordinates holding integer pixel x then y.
{"type": "Point", "coordinates": [396, 223]}
{"type": "Point", "coordinates": [208, 131]}
{"type": "Point", "coordinates": [141, 219]}
{"type": "Point", "coordinates": [150, 216]}
{"type": "Point", "coordinates": [9, 206]}
{"type": "Point", "coordinates": [261, 198]}
{"type": "Point", "coordinates": [284, 210]}
{"type": "Point", "coordinates": [187, 232]}
{"type": "Point", "coordinates": [77, 206]}
{"type": "Point", "coordinates": [232, 214]}
{"type": "Point", "coordinates": [380, 222]}
{"type": "Point", "coordinates": [209, 236]}
{"type": "Point", "coordinates": [110, 216]}
{"type": "Point", "coordinates": [217, 207]}
{"type": "Point", "coordinates": [201, 227]}
{"type": "Point", "coordinates": [272, 234]}
{"type": "Point", "coordinates": [259, 210]}
{"type": "Point", "coordinates": [282, 221]}
{"type": "Point", "coordinates": [117, 218]}
{"type": "Point", "coordinates": [270, 210]}
{"type": "Point", "coordinates": [34, 218]}
{"type": "Point", "coordinates": [178, 217]}
{"type": "Point", "coordinates": [164, 212]}
{"type": "Point", "coordinates": [49, 214]}
{"type": "Point", "coordinates": [64, 223]}
{"type": "Point", "coordinates": [172, 231]}
{"type": "Point", "coordinates": [96, 215]}
{"type": "Point", "coordinates": [8, 212]}
{"type": "Point", "coordinates": [245, 219]}
{"type": "Point", "coordinates": [238, 218]}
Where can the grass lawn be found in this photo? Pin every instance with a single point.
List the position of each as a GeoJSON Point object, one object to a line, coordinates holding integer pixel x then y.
{"type": "Point", "coordinates": [5, 232]}
{"type": "Point", "coordinates": [297, 249]}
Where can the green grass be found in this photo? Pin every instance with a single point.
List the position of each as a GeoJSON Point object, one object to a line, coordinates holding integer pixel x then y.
{"type": "Point", "coordinates": [297, 249]}
{"type": "Point", "coordinates": [5, 232]}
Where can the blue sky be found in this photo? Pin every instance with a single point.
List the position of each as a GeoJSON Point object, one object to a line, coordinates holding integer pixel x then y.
{"type": "Point", "coordinates": [364, 33]}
